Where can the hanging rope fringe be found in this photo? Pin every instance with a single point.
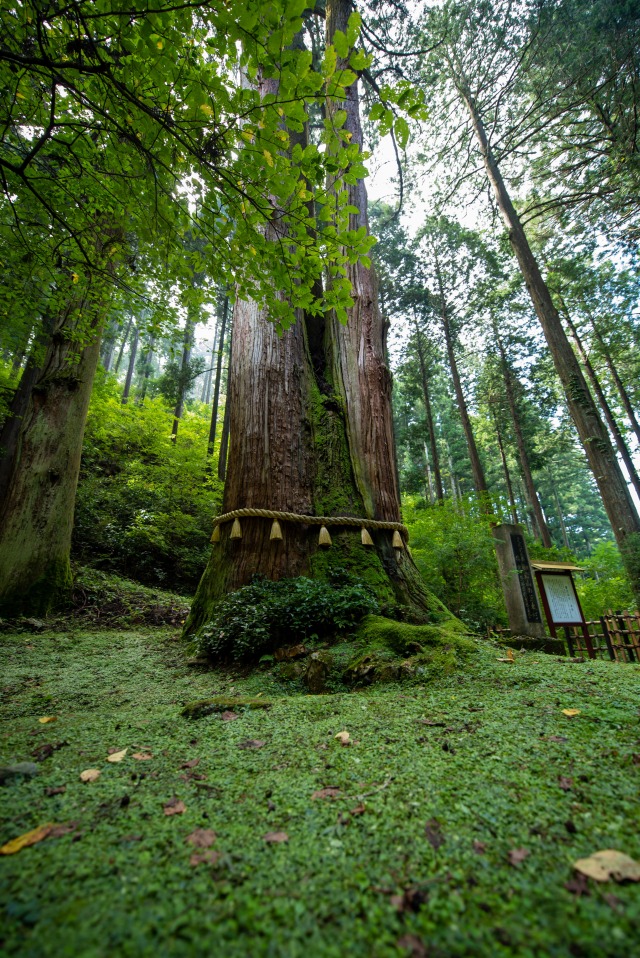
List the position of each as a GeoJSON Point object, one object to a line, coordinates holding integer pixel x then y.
{"type": "Point", "coordinates": [324, 539]}
{"type": "Point", "coordinates": [397, 541]}
{"type": "Point", "coordinates": [400, 532]}
{"type": "Point", "coordinates": [276, 531]}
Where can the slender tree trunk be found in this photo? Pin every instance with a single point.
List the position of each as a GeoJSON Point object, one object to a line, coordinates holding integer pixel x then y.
{"type": "Point", "coordinates": [622, 392]}
{"type": "Point", "coordinates": [36, 510]}
{"type": "Point", "coordinates": [505, 469]}
{"type": "Point", "coordinates": [131, 367]}
{"type": "Point", "coordinates": [523, 456]}
{"type": "Point", "coordinates": [109, 344]}
{"type": "Point", "coordinates": [429, 489]}
{"type": "Point", "coordinates": [205, 395]}
{"type": "Point", "coordinates": [218, 379]}
{"type": "Point", "coordinates": [614, 491]}
{"type": "Point", "coordinates": [311, 433]}
{"type": "Point", "coordinates": [479, 480]}
{"type": "Point", "coordinates": [560, 513]}
{"type": "Point", "coordinates": [187, 346]}
{"type": "Point", "coordinates": [224, 439]}
{"type": "Point", "coordinates": [143, 383]}
{"type": "Point", "coordinates": [625, 455]}
{"type": "Point", "coordinates": [123, 345]}
{"type": "Point", "coordinates": [433, 445]}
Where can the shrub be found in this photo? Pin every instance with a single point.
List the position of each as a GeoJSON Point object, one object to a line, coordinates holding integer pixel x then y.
{"type": "Point", "coordinates": [256, 619]}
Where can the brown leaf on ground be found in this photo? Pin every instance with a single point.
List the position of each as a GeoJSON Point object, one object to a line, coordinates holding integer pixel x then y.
{"type": "Point", "coordinates": [343, 737]}
{"type": "Point", "coordinates": [412, 899]}
{"type": "Point", "coordinates": [479, 847]}
{"type": "Point", "coordinates": [55, 790]}
{"type": "Point", "coordinates": [191, 763]}
{"type": "Point", "coordinates": [90, 775]}
{"type": "Point", "coordinates": [518, 855]}
{"type": "Point", "coordinates": [413, 946]}
{"type": "Point", "coordinates": [557, 738]}
{"type": "Point", "coordinates": [63, 829]}
{"type": "Point", "coordinates": [210, 857]}
{"type": "Point", "coordinates": [276, 837]}
{"type": "Point", "coordinates": [566, 784]}
{"type": "Point", "coordinates": [175, 807]}
{"type": "Point", "coordinates": [229, 716]}
{"type": "Point", "coordinates": [433, 833]}
{"type": "Point", "coordinates": [359, 809]}
{"type": "Point", "coordinates": [251, 743]}
{"type": "Point", "coordinates": [609, 865]}
{"type": "Point", "coordinates": [29, 838]}
{"type": "Point", "coordinates": [48, 718]}
{"type": "Point", "coordinates": [578, 885]}
{"type": "Point", "coordinates": [117, 756]}
{"type": "Point", "coordinates": [432, 723]}
{"type": "Point", "coordinates": [326, 793]}
{"type": "Point", "coordinates": [46, 750]}
{"type": "Point", "coordinates": [571, 712]}
{"type": "Point", "coordinates": [143, 756]}
{"type": "Point", "coordinates": [201, 838]}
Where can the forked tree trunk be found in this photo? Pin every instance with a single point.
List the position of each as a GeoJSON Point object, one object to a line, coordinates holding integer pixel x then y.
{"type": "Point", "coordinates": [311, 433]}
{"type": "Point", "coordinates": [36, 511]}
{"type": "Point", "coordinates": [614, 491]}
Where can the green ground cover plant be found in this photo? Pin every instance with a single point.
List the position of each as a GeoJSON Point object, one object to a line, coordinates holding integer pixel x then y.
{"type": "Point", "coordinates": [447, 826]}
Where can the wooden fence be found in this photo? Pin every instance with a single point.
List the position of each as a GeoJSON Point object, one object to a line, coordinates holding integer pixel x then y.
{"type": "Point", "coordinates": [614, 636]}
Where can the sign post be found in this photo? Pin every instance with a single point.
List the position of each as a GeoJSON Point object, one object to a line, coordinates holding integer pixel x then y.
{"type": "Point", "coordinates": [560, 600]}
{"type": "Point", "coordinates": [523, 610]}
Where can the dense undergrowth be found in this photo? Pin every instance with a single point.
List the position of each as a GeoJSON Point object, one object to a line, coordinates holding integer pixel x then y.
{"type": "Point", "coordinates": [448, 826]}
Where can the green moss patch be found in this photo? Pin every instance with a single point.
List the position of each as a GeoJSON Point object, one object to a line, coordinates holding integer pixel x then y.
{"type": "Point", "coordinates": [448, 826]}
{"type": "Point", "coordinates": [405, 639]}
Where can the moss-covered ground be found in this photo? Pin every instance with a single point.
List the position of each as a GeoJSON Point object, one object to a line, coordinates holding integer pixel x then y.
{"type": "Point", "coordinates": [443, 789]}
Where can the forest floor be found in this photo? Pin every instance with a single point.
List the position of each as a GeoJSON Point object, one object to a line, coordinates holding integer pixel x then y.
{"type": "Point", "coordinates": [448, 826]}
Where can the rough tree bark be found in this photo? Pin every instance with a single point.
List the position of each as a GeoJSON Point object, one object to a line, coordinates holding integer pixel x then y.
{"type": "Point", "coordinates": [594, 437]}
{"type": "Point", "coordinates": [433, 444]}
{"type": "Point", "coordinates": [311, 432]}
{"type": "Point", "coordinates": [41, 469]}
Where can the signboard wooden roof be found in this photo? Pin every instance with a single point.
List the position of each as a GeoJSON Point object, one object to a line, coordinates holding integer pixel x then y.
{"type": "Point", "coordinates": [555, 566]}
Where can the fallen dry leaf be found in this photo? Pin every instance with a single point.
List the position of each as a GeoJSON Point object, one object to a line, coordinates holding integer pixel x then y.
{"type": "Point", "coordinates": [433, 833]}
{"type": "Point", "coordinates": [479, 847]}
{"type": "Point", "coordinates": [517, 855]}
{"type": "Point", "coordinates": [557, 738]}
{"type": "Point", "coordinates": [90, 775]}
{"type": "Point", "coordinates": [326, 793]}
{"type": "Point", "coordinates": [578, 885]}
{"type": "Point", "coordinates": [276, 837]}
{"type": "Point", "coordinates": [142, 756]}
{"type": "Point", "coordinates": [175, 807]}
{"type": "Point", "coordinates": [251, 743]}
{"type": "Point", "coordinates": [413, 946]}
{"type": "Point", "coordinates": [343, 737]}
{"type": "Point", "coordinates": [29, 838]}
{"type": "Point", "coordinates": [56, 831]}
{"type": "Point", "coordinates": [117, 756]}
{"type": "Point", "coordinates": [571, 712]}
{"type": "Point", "coordinates": [229, 716]}
{"type": "Point", "coordinates": [359, 809]}
{"type": "Point", "coordinates": [566, 784]}
{"type": "Point", "coordinates": [210, 857]}
{"type": "Point", "coordinates": [191, 763]}
{"type": "Point", "coordinates": [56, 790]}
{"type": "Point", "coordinates": [201, 838]}
{"type": "Point", "coordinates": [48, 718]}
{"type": "Point", "coordinates": [609, 865]}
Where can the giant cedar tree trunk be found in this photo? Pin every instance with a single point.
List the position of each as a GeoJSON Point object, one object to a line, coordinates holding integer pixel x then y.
{"type": "Point", "coordinates": [311, 432]}
{"type": "Point", "coordinates": [613, 489]}
{"type": "Point", "coordinates": [36, 510]}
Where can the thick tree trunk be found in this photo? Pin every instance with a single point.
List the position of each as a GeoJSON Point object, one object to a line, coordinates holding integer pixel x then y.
{"type": "Point", "coordinates": [311, 433]}
{"type": "Point", "coordinates": [36, 511]}
{"type": "Point", "coordinates": [523, 455]}
{"type": "Point", "coordinates": [133, 352]}
{"type": "Point", "coordinates": [625, 455]}
{"type": "Point", "coordinates": [595, 440]}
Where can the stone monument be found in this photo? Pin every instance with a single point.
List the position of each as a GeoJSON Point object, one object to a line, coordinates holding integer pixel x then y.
{"type": "Point", "coordinates": [520, 596]}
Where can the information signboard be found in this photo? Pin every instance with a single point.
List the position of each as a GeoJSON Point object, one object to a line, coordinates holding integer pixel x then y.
{"type": "Point", "coordinates": [561, 597]}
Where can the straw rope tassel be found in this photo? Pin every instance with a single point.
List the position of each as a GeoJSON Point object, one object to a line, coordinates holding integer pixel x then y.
{"type": "Point", "coordinates": [276, 531]}
{"type": "Point", "coordinates": [397, 541]}
{"type": "Point", "coordinates": [236, 530]}
{"type": "Point", "coordinates": [324, 539]}
{"type": "Point", "coordinates": [365, 537]}
{"type": "Point", "coordinates": [215, 535]}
